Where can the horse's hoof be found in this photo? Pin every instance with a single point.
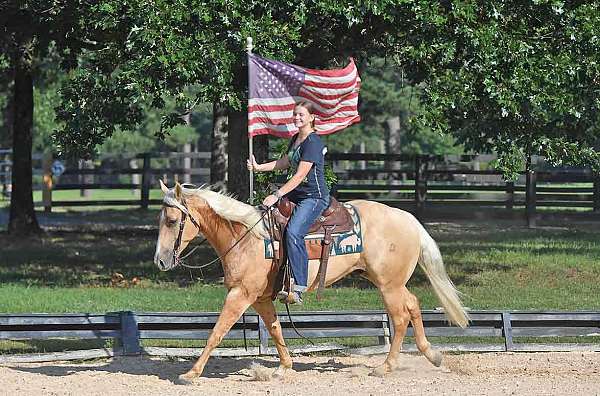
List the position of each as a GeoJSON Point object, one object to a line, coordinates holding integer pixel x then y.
{"type": "Point", "coordinates": [380, 371]}
{"type": "Point", "coordinates": [435, 357]}
{"type": "Point", "coordinates": [279, 373]}
{"type": "Point", "coordinates": [184, 379]}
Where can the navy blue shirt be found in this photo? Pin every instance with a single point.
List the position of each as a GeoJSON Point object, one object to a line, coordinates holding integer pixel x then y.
{"type": "Point", "coordinates": [310, 150]}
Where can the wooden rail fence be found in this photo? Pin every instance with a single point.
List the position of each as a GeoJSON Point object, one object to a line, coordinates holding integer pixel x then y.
{"type": "Point", "coordinates": [421, 182]}
{"type": "Point", "coordinates": [499, 330]}
{"type": "Point", "coordinates": [416, 183]}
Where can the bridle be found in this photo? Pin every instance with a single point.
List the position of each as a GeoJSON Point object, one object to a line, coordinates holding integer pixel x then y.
{"type": "Point", "coordinates": [184, 214]}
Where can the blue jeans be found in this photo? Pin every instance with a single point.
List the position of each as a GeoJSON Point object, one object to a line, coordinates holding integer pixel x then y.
{"type": "Point", "coordinates": [304, 215]}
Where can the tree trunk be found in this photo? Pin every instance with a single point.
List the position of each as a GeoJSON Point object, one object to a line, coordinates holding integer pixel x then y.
{"type": "Point", "coordinates": [22, 215]}
{"type": "Point", "coordinates": [218, 156]}
{"type": "Point", "coordinates": [393, 146]}
{"type": "Point", "coordinates": [8, 115]}
{"type": "Point", "coordinates": [261, 148]}
{"type": "Point", "coordinates": [237, 145]}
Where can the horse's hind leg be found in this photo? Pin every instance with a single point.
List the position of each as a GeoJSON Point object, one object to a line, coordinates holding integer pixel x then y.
{"type": "Point", "coordinates": [412, 304]}
{"type": "Point", "coordinates": [266, 310]}
{"type": "Point", "coordinates": [394, 300]}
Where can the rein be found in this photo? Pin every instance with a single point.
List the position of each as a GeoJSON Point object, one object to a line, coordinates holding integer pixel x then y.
{"type": "Point", "coordinates": [179, 260]}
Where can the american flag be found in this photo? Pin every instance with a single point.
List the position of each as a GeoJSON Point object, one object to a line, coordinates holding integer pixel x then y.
{"type": "Point", "coordinates": [275, 87]}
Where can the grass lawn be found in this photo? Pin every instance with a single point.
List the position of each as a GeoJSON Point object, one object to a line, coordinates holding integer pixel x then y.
{"type": "Point", "coordinates": [496, 266]}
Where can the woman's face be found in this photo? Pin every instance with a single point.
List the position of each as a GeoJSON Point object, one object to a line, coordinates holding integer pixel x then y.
{"type": "Point", "coordinates": [302, 118]}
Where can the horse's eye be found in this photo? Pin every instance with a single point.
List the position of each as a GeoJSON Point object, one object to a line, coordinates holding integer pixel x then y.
{"type": "Point", "coordinates": [171, 222]}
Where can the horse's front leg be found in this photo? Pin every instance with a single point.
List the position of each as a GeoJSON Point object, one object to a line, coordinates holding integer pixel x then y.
{"type": "Point", "coordinates": [267, 312]}
{"type": "Point", "coordinates": [235, 305]}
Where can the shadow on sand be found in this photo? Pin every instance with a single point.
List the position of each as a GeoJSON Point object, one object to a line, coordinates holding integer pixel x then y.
{"type": "Point", "coordinates": [170, 369]}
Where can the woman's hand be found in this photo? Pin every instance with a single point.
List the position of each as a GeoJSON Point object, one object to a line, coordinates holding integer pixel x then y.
{"type": "Point", "coordinates": [251, 164]}
{"type": "Point", "coordinates": [270, 200]}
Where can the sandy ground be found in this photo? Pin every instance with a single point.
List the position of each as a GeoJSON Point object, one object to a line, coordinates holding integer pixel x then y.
{"type": "Point", "coordinates": [472, 374]}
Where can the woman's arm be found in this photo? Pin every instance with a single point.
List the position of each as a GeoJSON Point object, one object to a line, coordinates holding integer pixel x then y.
{"type": "Point", "coordinates": [280, 164]}
{"type": "Point", "coordinates": [303, 169]}
{"type": "Point", "coordinates": [301, 173]}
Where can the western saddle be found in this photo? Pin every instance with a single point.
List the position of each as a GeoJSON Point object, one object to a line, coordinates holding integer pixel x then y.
{"type": "Point", "coordinates": [334, 220]}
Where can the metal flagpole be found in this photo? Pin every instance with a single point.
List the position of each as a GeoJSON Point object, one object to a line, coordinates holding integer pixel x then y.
{"type": "Point", "coordinates": [249, 52]}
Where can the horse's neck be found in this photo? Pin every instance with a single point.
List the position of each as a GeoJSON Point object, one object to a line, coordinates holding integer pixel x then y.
{"type": "Point", "coordinates": [220, 233]}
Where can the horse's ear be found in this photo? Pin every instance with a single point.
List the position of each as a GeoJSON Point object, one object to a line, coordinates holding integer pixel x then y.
{"type": "Point", "coordinates": [178, 191]}
{"type": "Point", "coordinates": [164, 188]}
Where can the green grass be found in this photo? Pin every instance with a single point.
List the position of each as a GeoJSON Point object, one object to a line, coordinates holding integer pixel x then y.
{"type": "Point", "coordinates": [516, 268]}
{"type": "Point", "coordinates": [496, 266]}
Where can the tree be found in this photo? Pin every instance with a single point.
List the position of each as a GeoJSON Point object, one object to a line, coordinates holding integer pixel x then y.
{"type": "Point", "coordinates": [389, 107]}
{"type": "Point", "coordinates": [484, 67]}
{"type": "Point", "coordinates": [30, 31]}
{"type": "Point", "coordinates": [516, 78]}
{"type": "Point", "coordinates": [33, 33]}
{"type": "Point", "coordinates": [157, 50]}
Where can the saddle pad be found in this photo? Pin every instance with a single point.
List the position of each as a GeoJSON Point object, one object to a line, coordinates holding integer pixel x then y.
{"type": "Point", "coordinates": [342, 243]}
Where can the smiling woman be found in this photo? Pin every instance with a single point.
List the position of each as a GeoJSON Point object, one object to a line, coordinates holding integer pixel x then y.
{"type": "Point", "coordinates": [305, 187]}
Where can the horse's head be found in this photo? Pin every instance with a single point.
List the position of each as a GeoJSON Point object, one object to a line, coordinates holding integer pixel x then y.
{"type": "Point", "coordinates": [176, 228]}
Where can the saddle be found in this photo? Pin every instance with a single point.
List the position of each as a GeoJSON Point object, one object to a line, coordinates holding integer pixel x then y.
{"type": "Point", "coordinates": [335, 219]}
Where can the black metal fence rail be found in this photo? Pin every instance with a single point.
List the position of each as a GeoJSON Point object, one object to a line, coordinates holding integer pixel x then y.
{"type": "Point", "coordinates": [488, 331]}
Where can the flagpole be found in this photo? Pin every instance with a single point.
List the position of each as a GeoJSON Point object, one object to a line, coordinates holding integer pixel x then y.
{"type": "Point", "coordinates": [250, 149]}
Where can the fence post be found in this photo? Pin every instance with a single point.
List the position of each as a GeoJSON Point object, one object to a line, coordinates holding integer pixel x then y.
{"type": "Point", "coordinates": [362, 164]}
{"type": "Point", "coordinates": [507, 331]}
{"type": "Point", "coordinates": [597, 192]}
{"type": "Point", "coordinates": [47, 181]}
{"type": "Point", "coordinates": [130, 334]}
{"type": "Point", "coordinates": [390, 324]}
{"type": "Point", "coordinates": [85, 178]}
{"type": "Point", "coordinates": [187, 163]}
{"type": "Point", "coordinates": [263, 337]}
{"type": "Point", "coordinates": [420, 184]}
{"type": "Point", "coordinates": [510, 195]}
{"type": "Point", "coordinates": [530, 187]}
{"type": "Point", "coordinates": [385, 339]}
{"type": "Point", "coordinates": [145, 193]}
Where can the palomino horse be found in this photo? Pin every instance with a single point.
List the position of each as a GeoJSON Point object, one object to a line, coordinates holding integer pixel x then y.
{"type": "Point", "coordinates": [393, 243]}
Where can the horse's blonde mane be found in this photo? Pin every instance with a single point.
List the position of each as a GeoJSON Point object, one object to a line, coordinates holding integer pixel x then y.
{"type": "Point", "coordinates": [224, 206]}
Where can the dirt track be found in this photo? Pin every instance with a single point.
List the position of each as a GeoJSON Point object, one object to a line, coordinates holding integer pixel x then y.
{"type": "Point", "coordinates": [473, 374]}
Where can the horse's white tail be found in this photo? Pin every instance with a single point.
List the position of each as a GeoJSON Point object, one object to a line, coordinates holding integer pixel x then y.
{"type": "Point", "coordinates": [431, 261]}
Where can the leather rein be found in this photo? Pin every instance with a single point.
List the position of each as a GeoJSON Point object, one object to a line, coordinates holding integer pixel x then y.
{"type": "Point", "coordinates": [179, 260]}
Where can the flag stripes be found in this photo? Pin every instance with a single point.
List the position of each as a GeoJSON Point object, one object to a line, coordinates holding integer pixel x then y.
{"type": "Point", "coordinates": [276, 87]}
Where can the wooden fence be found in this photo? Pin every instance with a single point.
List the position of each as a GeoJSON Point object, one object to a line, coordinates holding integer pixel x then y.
{"type": "Point", "coordinates": [499, 330]}
{"type": "Point", "coordinates": [142, 178]}
{"type": "Point", "coordinates": [5, 171]}
{"type": "Point", "coordinates": [416, 183]}
{"type": "Point", "coordinates": [426, 181]}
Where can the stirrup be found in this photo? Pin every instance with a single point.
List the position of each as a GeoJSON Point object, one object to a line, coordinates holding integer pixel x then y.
{"type": "Point", "coordinates": [293, 297]}
{"type": "Point", "coordinates": [282, 295]}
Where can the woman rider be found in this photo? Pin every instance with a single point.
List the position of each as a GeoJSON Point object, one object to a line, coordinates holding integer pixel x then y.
{"type": "Point", "coordinates": [306, 188]}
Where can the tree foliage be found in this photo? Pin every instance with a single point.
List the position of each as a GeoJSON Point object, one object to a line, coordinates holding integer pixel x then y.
{"type": "Point", "coordinates": [149, 51]}
{"type": "Point", "coordinates": [516, 78]}
{"type": "Point", "coordinates": [386, 93]}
